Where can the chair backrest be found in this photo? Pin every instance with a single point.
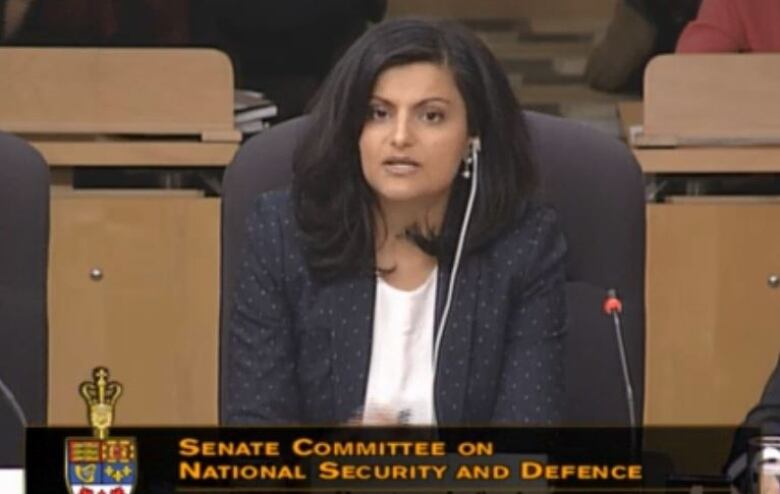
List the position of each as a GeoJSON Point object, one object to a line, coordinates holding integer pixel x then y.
{"type": "Point", "coordinates": [24, 238]}
{"type": "Point", "coordinates": [597, 188]}
{"type": "Point", "coordinates": [595, 184]}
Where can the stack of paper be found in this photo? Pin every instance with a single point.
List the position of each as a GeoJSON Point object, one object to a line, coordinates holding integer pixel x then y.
{"type": "Point", "coordinates": [252, 111]}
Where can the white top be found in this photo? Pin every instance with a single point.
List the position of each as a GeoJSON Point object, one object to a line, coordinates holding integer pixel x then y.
{"type": "Point", "coordinates": [400, 377]}
{"type": "Point", "coordinates": [11, 481]}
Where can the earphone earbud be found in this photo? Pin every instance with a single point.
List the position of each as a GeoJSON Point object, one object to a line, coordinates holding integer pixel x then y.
{"type": "Point", "coordinates": [476, 144]}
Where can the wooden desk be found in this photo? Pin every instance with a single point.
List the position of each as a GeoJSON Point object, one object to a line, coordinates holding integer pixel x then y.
{"type": "Point", "coordinates": [710, 160]}
{"type": "Point", "coordinates": [133, 275]}
{"type": "Point", "coordinates": [630, 114]}
{"type": "Point", "coordinates": [712, 99]}
{"type": "Point", "coordinates": [695, 160]}
{"type": "Point", "coordinates": [713, 321]}
{"type": "Point", "coordinates": [133, 285]}
{"type": "Point", "coordinates": [131, 154]}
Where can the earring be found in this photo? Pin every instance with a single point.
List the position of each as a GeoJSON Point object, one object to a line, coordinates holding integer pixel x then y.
{"type": "Point", "coordinates": [470, 160]}
{"type": "Point", "coordinates": [467, 162]}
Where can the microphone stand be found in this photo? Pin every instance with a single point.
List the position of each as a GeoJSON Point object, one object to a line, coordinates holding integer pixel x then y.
{"type": "Point", "coordinates": [613, 307]}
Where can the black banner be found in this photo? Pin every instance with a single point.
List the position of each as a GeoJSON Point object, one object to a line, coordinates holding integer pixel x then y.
{"type": "Point", "coordinates": [315, 459]}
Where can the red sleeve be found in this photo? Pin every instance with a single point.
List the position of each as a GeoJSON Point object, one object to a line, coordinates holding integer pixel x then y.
{"type": "Point", "coordinates": [716, 29]}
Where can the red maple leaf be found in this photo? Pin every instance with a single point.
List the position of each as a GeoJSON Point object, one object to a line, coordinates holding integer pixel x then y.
{"type": "Point", "coordinates": [117, 490]}
{"type": "Point", "coordinates": [84, 490]}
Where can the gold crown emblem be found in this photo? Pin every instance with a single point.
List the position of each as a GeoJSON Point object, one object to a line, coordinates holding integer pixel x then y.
{"type": "Point", "coordinates": [101, 396]}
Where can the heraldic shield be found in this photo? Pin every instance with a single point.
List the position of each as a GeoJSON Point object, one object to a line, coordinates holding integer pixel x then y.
{"type": "Point", "coordinates": [101, 466]}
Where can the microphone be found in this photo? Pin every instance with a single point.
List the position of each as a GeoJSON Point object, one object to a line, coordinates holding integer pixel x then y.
{"type": "Point", "coordinates": [9, 397]}
{"type": "Point", "coordinates": [614, 307]}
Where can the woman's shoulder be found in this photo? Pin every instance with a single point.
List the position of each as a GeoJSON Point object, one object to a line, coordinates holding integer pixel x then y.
{"type": "Point", "coordinates": [531, 222]}
{"type": "Point", "coordinates": [532, 238]}
{"type": "Point", "coordinates": [271, 221]}
{"type": "Point", "coordinates": [272, 210]}
{"type": "Point", "coordinates": [274, 238]}
{"type": "Point", "coordinates": [273, 203]}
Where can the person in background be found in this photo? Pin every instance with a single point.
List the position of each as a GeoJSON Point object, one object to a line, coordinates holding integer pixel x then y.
{"type": "Point", "coordinates": [12, 14]}
{"type": "Point", "coordinates": [408, 276]}
{"type": "Point", "coordinates": [764, 417]}
{"type": "Point", "coordinates": [724, 26]}
{"type": "Point", "coordinates": [736, 26]}
{"type": "Point", "coordinates": [283, 49]}
{"type": "Point", "coordinates": [95, 23]}
{"type": "Point", "coordinates": [639, 30]}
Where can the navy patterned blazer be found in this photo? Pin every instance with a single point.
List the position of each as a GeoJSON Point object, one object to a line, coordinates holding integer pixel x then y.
{"type": "Point", "coordinates": [299, 349]}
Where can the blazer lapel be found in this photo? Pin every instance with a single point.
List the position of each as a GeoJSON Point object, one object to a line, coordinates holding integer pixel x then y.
{"type": "Point", "coordinates": [351, 322]}
{"type": "Point", "coordinates": [454, 358]}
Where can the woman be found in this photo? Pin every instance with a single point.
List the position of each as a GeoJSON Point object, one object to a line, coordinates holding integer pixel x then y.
{"type": "Point", "coordinates": [284, 49]}
{"type": "Point", "coordinates": [726, 26]}
{"type": "Point", "coordinates": [406, 277]}
{"type": "Point", "coordinates": [638, 31]}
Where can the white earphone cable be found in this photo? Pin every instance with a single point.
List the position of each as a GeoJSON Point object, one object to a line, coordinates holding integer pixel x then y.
{"type": "Point", "coordinates": [455, 265]}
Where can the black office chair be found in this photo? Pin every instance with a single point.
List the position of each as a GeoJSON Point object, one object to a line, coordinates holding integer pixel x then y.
{"type": "Point", "coordinates": [24, 240]}
{"type": "Point", "coordinates": [597, 188]}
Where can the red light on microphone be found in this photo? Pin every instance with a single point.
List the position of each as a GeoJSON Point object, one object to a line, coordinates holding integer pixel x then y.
{"type": "Point", "coordinates": [612, 303]}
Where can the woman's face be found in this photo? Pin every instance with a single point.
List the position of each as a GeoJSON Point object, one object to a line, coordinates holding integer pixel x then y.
{"type": "Point", "coordinates": [415, 135]}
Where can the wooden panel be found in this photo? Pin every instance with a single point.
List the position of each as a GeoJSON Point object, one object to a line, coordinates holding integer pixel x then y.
{"type": "Point", "coordinates": [152, 319]}
{"type": "Point", "coordinates": [713, 323]}
{"type": "Point", "coordinates": [512, 50]}
{"type": "Point", "coordinates": [109, 91]}
{"type": "Point", "coordinates": [462, 9]}
{"type": "Point", "coordinates": [704, 99]}
{"type": "Point", "coordinates": [630, 114]}
{"type": "Point", "coordinates": [585, 26]}
{"type": "Point", "coordinates": [710, 160]}
{"type": "Point", "coordinates": [135, 153]}
{"type": "Point", "coordinates": [760, 159]}
{"type": "Point", "coordinates": [529, 94]}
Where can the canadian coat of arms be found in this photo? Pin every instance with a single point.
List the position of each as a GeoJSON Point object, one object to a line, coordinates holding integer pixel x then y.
{"type": "Point", "coordinates": [101, 464]}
